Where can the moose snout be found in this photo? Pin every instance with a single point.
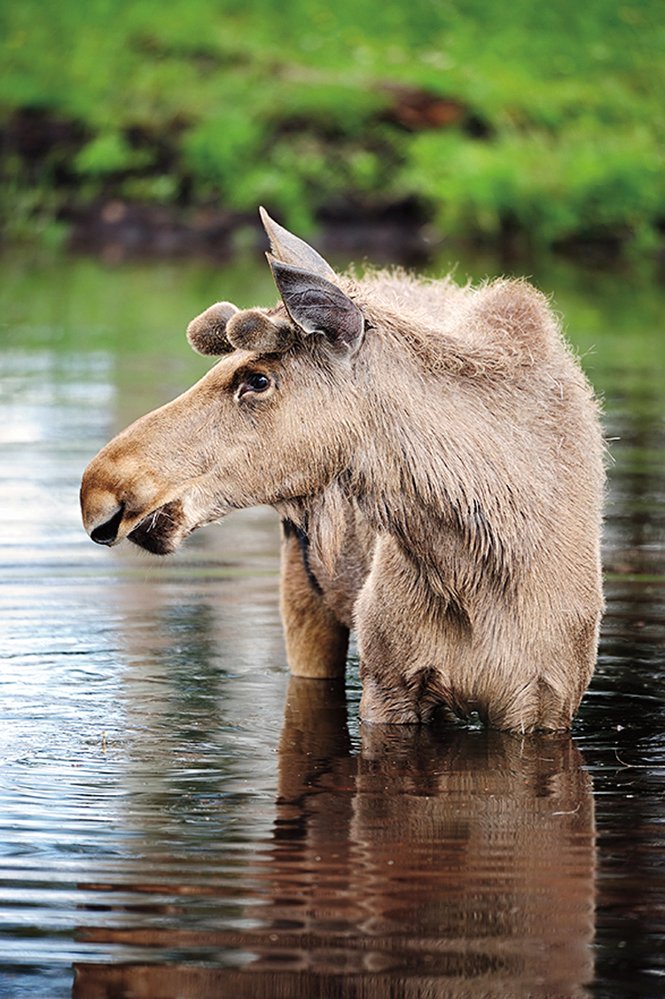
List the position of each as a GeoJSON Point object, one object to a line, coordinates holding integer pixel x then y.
{"type": "Point", "coordinates": [116, 497]}
{"type": "Point", "coordinates": [102, 512]}
{"type": "Point", "coordinates": [103, 505]}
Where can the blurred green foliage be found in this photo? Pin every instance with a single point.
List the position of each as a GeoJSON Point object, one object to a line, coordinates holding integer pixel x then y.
{"type": "Point", "coordinates": [558, 132]}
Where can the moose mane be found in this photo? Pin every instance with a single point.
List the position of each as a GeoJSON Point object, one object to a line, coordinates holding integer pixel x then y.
{"type": "Point", "coordinates": [499, 327]}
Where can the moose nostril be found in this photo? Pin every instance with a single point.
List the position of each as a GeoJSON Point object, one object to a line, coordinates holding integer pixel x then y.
{"type": "Point", "coordinates": [107, 532]}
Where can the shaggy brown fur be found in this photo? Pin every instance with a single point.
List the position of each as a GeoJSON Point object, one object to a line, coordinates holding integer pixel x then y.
{"type": "Point", "coordinates": [437, 455]}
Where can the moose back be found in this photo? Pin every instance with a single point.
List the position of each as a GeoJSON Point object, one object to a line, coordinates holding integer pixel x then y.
{"type": "Point", "coordinates": [435, 456]}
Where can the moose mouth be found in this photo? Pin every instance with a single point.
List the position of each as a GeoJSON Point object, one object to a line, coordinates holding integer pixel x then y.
{"type": "Point", "coordinates": [162, 530]}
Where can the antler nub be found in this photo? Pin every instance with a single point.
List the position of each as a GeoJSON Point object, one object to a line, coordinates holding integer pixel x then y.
{"type": "Point", "coordinates": [254, 330]}
{"type": "Point", "coordinates": [223, 328]}
{"type": "Point", "coordinates": [207, 332]}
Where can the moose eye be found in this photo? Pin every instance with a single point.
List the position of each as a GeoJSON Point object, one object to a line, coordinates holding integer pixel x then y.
{"type": "Point", "coordinates": [255, 382]}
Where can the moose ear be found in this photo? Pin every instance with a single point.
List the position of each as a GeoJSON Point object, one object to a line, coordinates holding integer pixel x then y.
{"type": "Point", "coordinates": [318, 306]}
{"type": "Point", "coordinates": [291, 249]}
{"type": "Point", "coordinates": [207, 332]}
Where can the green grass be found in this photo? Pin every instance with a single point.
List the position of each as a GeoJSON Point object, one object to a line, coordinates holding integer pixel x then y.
{"type": "Point", "coordinates": [199, 102]}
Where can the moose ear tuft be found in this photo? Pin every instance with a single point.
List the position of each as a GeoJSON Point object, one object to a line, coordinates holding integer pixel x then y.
{"type": "Point", "coordinates": [254, 330]}
{"type": "Point", "coordinates": [207, 332]}
{"type": "Point", "coordinates": [317, 305]}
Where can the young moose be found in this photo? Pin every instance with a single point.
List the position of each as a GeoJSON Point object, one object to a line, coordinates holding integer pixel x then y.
{"type": "Point", "coordinates": [435, 456]}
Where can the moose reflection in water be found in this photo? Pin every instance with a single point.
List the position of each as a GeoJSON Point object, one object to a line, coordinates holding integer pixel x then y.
{"type": "Point", "coordinates": [436, 861]}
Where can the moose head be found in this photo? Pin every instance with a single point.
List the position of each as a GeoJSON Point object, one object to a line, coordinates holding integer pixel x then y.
{"type": "Point", "coordinates": [270, 423]}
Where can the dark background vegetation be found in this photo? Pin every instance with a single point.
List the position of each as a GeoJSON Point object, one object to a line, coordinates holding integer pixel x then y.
{"type": "Point", "coordinates": [521, 123]}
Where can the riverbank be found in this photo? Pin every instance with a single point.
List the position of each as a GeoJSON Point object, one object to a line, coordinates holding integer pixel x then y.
{"type": "Point", "coordinates": [138, 128]}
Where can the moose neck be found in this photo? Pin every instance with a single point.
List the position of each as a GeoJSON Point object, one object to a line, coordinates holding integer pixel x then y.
{"type": "Point", "coordinates": [427, 471]}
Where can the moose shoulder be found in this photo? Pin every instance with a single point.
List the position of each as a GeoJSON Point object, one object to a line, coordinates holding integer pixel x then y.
{"type": "Point", "coordinates": [435, 455]}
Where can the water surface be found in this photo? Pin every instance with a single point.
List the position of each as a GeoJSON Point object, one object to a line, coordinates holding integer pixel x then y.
{"type": "Point", "coordinates": [179, 818]}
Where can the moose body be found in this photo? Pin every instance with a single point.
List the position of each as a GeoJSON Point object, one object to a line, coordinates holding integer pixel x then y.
{"type": "Point", "coordinates": [435, 456]}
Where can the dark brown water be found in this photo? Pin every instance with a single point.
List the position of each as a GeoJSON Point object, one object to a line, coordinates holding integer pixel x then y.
{"type": "Point", "coordinates": [179, 819]}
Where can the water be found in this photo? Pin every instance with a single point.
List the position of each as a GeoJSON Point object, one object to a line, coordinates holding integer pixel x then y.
{"type": "Point", "coordinates": [179, 818]}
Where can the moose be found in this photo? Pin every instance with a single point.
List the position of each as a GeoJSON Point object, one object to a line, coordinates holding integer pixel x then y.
{"type": "Point", "coordinates": [435, 456]}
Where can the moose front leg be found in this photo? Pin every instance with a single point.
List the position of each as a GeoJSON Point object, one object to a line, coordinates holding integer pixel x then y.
{"type": "Point", "coordinates": [406, 641]}
{"type": "Point", "coordinates": [316, 642]}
